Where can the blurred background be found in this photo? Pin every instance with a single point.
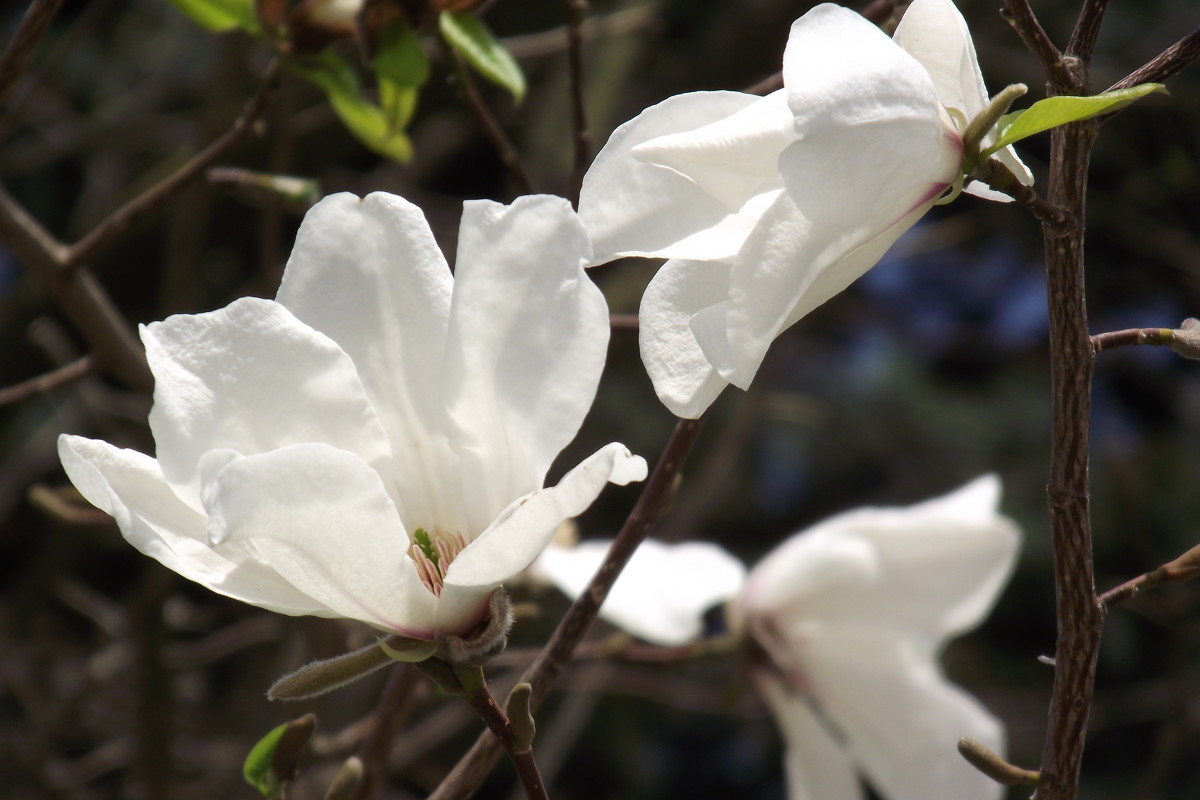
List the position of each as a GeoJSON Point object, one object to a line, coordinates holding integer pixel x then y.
{"type": "Point", "coordinates": [120, 679]}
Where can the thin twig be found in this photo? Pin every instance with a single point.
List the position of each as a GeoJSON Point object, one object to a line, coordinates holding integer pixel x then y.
{"type": "Point", "coordinates": [77, 292]}
{"type": "Point", "coordinates": [1020, 16]}
{"type": "Point", "coordinates": [1087, 29]}
{"type": "Point", "coordinates": [577, 11]}
{"type": "Point", "coordinates": [1181, 570]}
{"type": "Point", "coordinates": [16, 56]}
{"type": "Point", "coordinates": [390, 716]}
{"type": "Point", "coordinates": [44, 384]}
{"type": "Point", "coordinates": [1162, 337]}
{"type": "Point", "coordinates": [995, 174]}
{"type": "Point", "coordinates": [121, 219]}
{"type": "Point", "coordinates": [491, 128]}
{"type": "Point", "coordinates": [474, 766]}
{"type": "Point", "coordinates": [1166, 64]}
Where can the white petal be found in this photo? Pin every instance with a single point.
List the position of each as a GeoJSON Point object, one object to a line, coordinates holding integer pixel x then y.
{"type": "Point", "coordinates": [632, 207]}
{"type": "Point", "coordinates": [817, 765]}
{"type": "Point", "coordinates": [527, 342]}
{"type": "Point", "coordinates": [662, 593]}
{"type": "Point", "coordinates": [900, 717]}
{"type": "Point", "coordinates": [527, 526]}
{"type": "Point", "coordinates": [369, 275]}
{"type": "Point", "coordinates": [935, 34]}
{"type": "Point", "coordinates": [130, 486]}
{"type": "Point", "coordinates": [322, 518]}
{"type": "Point", "coordinates": [733, 158]}
{"type": "Point", "coordinates": [683, 378]}
{"type": "Point", "coordinates": [941, 564]}
{"type": "Point", "coordinates": [840, 70]}
{"type": "Point", "coordinates": [251, 378]}
{"type": "Point", "coordinates": [851, 192]}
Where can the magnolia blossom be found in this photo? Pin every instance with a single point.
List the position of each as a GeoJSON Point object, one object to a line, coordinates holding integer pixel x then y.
{"type": "Point", "coordinates": [851, 615]}
{"type": "Point", "coordinates": [662, 593]}
{"type": "Point", "coordinates": [373, 443]}
{"type": "Point", "coordinates": [768, 206]}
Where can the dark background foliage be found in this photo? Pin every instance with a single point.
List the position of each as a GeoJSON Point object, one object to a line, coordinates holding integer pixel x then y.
{"type": "Point", "coordinates": [117, 678]}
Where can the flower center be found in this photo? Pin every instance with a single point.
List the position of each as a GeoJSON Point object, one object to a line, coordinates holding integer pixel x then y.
{"type": "Point", "coordinates": [432, 553]}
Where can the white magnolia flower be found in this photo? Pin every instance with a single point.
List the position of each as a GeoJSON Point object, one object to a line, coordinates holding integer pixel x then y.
{"type": "Point", "coordinates": [851, 615]}
{"type": "Point", "coordinates": [373, 443]}
{"type": "Point", "coordinates": [663, 592]}
{"type": "Point", "coordinates": [769, 206]}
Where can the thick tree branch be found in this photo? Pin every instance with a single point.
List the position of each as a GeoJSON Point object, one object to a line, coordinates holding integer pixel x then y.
{"type": "Point", "coordinates": [1087, 28]}
{"type": "Point", "coordinates": [1020, 17]}
{"type": "Point", "coordinates": [78, 294]}
{"type": "Point", "coordinates": [1168, 63]}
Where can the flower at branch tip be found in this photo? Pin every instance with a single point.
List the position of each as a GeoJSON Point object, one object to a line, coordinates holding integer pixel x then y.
{"type": "Point", "coordinates": [850, 616]}
{"type": "Point", "coordinates": [662, 593]}
{"type": "Point", "coordinates": [769, 206]}
{"type": "Point", "coordinates": [373, 443]}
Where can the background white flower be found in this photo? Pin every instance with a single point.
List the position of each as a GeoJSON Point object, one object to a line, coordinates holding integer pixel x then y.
{"type": "Point", "coordinates": [852, 614]}
{"type": "Point", "coordinates": [767, 207]}
{"type": "Point", "coordinates": [662, 593]}
{"type": "Point", "coordinates": [373, 443]}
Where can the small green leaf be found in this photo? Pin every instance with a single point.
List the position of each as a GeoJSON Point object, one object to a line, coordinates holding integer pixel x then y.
{"type": "Point", "coordinates": [257, 767]}
{"type": "Point", "coordinates": [472, 40]}
{"type": "Point", "coordinates": [364, 119]}
{"type": "Point", "coordinates": [399, 58]}
{"type": "Point", "coordinates": [219, 16]}
{"type": "Point", "coordinates": [1055, 111]}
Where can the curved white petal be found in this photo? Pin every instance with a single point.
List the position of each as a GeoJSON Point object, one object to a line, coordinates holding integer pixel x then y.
{"type": "Point", "coordinates": [900, 717]}
{"type": "Point", "coordinates": [733, 158]}
{"type": "Point", "coordinates": [527, 526]}
{"type": "Point", "coordinates": [368, 274]}
{"type": "Point", "coordinates": [851, 192]}
{"type": "Point", "coordinates": [527, 342]}
{"type": "Point", "coordinates": [816, 763]}
{"type": "Point", "coordinates": [684, 379]}
{"type": "Point", "coordinates": [130, 486]}
{"type": "Point", "coordinates": [662, 593]}
{"type": "Point", "coordinates": [251, 378]}
{"type": "Point", "coordinates": [939, 565]}
{"type": "Point", "coordinates": [322, 518]}
{"type": "Point", "coordinates": [632, 207]}
{"type": "Point", "coordinates": [935, 34]}
{"type": "Point", "coordinates": [840, 70]}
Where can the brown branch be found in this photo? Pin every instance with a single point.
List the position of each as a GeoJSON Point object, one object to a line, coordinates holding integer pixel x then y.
{"type": "Point", "coordinates": [1020, 16]}
{"type": "Point", "coordinates": [121, 219]}
{"type": "Point", "coordinates": [1087, 29]}
{"type": "Point", "coordinates": [78, 293]}
{"type": "Point", "coordinates": [1181, 570]}
{"type": "Point", "coordinates": [16, 56]}
{"type": "Point", "coordinates": [1168, 63]}
{"type": "Point", "coordinates": [1078, 614]}
{"type": "Point", "coordinates": [491, 128]}
{"type": "Point", "coordinates": [473, 767]}
{"type": "Point", "coordinates": [43, 384]}
{"type": "Point", "coordinates": [520, 753]}
{"type": "Point", "coordinates": [576, 14]}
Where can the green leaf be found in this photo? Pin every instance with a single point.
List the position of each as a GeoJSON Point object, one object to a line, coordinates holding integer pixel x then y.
{"type": "Point", "coordinates": [472, 40]}
{"type": "Point", "coordinates": [399, 58]}
{"type": "Point", "coordinates": [367, 121]}
{"type": "Point", "coordinates": [1055, 111]}
{"type": "Point", "coordinates": [257, 767]}
{"type": "Point", "coordinates": [219, 16]}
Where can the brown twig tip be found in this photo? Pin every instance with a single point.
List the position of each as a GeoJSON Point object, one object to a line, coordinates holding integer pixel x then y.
{"type": "Point", "coordinates": [995, 767]}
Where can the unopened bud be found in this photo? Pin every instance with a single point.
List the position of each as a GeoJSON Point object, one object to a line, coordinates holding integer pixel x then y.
{"type": "Point", "coordinates": [1186, 340]}
{"type": "Point", "coordinates": [346, 782]}
{"type": "Point", "coordinates": [475, 647]}
{"type": "Point", "coordinates": [520, 717]}
{"type": "Point", "coordinates": [320, 677]}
